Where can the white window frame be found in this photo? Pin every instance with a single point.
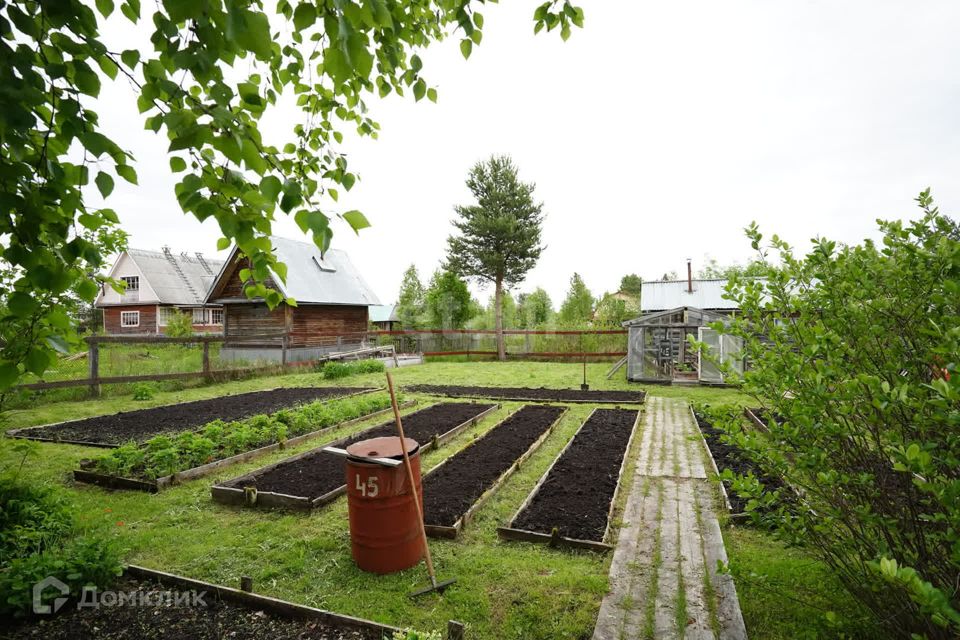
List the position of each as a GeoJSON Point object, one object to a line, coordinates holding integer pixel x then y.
{"type": "Point", "coordinates": [123, 319]}
{"type": "Point", "coordinates": [128, 281]}
{"type": "Point", "coordinates": [198, 315]}
{"type": "Point", "coordinates": [213, 316]}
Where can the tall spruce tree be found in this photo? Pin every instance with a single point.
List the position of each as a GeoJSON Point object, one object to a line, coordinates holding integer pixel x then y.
{"type": "Point", "coordinates": [499, 240]}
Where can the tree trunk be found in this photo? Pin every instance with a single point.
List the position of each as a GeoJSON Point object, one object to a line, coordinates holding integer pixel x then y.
{"type": "Point", "coordinates": [498, 314]}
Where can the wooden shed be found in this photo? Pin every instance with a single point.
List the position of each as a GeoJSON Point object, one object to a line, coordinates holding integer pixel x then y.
{"type": "Point", "coordinates": [332, 301]}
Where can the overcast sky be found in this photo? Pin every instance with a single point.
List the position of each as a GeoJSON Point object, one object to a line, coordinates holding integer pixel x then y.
{"type": "Point", "coordinates": [654, 134]}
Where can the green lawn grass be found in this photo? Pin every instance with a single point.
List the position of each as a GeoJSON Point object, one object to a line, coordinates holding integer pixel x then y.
{"type": "Point", "coordinates": [504, 590]}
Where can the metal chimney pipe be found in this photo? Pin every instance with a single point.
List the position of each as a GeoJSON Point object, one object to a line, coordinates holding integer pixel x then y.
{"type": "Point", "coordinates": [689, 276]}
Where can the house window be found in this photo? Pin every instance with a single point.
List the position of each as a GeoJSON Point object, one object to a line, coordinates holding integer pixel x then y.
{"type": "Point", "coordinates": [164, 314]}
{"type": "Point", "coordinates": [132, 282]}
{"type": "Point", "coordinates": [216, 316]}
{"type": "Point", "coordinates": [129, 318]}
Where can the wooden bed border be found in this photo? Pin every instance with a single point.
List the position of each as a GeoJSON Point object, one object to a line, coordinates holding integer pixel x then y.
{"type": "Point", "coordinates": [452, 532]}
{"type": "Point", "coordinates": [643, 398]}
{"type": "Point", "coordinates": [281, 608]}
{"type": "Point", "coordinates": [510, 532]}
{"type": "Point", "coordinates": [233, 495]}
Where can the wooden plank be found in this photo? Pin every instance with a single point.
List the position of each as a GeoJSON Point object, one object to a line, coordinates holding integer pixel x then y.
{"type": "Point", "coordinates": [522, 535]}
{"type": "Point", "coordinates": [534, 400]}
{"type": "Point", "coordinates": [259, 602]}
{"type": "Point", "coordinates": [114, 482]}
{"type": "Point", "coordinates": [486, 495]}
{"type": "Point", "coordinates": [755, 419]}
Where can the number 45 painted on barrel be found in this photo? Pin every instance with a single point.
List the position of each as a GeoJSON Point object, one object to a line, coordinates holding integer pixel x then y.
{"type": "Point", "coordinates": [368, 489]}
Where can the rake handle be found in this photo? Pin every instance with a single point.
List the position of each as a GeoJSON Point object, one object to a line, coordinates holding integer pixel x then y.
{"type": "Point", "coordinates": [410, 478]}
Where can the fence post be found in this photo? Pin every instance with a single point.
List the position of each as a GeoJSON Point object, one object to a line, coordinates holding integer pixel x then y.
{"type": "Point", "coordinates": [93, 359]}
{"type": "Point", "coordinates": [206, 359]}
{"type": "Point", "coordinates": [455, 630]}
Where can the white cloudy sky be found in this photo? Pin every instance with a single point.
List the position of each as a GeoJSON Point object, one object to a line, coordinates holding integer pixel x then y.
{"type": "Point", "coordinates": [654, 134]}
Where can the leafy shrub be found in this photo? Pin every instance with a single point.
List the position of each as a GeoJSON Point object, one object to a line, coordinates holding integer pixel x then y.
{"type": "Point", "coordinates": [179, 325]}
{"type": "Point", "coordinates": [165, 455]}
{"type": "Point", "coordinates": [857, 348]}
{"type": "Point", "coordinates": [144, 391]}
{"type": "Point", "coordinates": [333, 370]}
{"type": "Point", "coordinates": [40, 537]}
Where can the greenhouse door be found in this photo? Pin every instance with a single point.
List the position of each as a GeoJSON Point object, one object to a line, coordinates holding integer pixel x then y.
{"type": "Point", "coordinates": [709, 371]}
{"type": "Point", "coordinates": [722, 348]}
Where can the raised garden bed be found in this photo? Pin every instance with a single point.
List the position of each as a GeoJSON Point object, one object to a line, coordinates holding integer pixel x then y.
{"type": "Point", "coordinates": [222, 444]}
{"type": "Point", "coordinates": [458, 487]}
{"type": "Point", "coordinates": [163, 606]}
{"type": "Point", "coordinates": [729, 456]}
{"type": "Point", "coordinates": [572, 503]}
{"type": "Point", "coordinates": [529, 394]}
{"type": "Point", "coordinates": [142, 424]}
{"type": "Point", "coordinates": [314, 478]}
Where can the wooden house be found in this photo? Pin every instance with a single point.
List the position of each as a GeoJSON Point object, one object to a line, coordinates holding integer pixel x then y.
{"type": "Point", "coordinates": [384, 317]}
{"type": "Point", "coordinates": [159, 284]}
{"type": "Point", "coordinates": [332, 304]}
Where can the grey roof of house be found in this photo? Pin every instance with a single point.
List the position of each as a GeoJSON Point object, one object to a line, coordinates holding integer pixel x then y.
{"type": "Point", "coordinates": [662, 295]}
{"type": "Point", "coordinates": [314, 279]}
{"type": "Point", "coordinates": [384, 313]}
{"type": "Point", "coordinates": [177, 278]}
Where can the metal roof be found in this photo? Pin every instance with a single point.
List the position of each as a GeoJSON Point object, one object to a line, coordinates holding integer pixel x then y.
{"type": "Point", "coordinates": [384, 313]}
{"type": "Point", "coordinates": [313, 278]}
{"type": "Point", "coordinates": [177, 278]}
{"type": "Point", "coordinates": [662, 295]}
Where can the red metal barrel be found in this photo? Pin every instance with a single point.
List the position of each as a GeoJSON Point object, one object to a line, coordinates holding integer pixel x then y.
{"type": "Point", "coordinates": [384, 532]}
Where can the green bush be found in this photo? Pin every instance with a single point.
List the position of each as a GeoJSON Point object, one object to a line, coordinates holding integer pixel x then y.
{"type": "Point", "coordinates": [40, 537]}
{"type": "Point", "coordinates": [857, 348]}
{"type": "Point", "coordinates": [333, 370]}
{"type": "Point", "coordinates": [144, 391]}
{"type": "Point", "coordinates": [164, 455]}
{"type": "Point", "coordinates": [179, 325]}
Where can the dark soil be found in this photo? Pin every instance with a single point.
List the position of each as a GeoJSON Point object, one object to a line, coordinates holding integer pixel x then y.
{"type": "Point", "coordinates": [541, 394]}
{"type": "Point", "coordinates": [143, 424]}
{"type": "Point", "coordinates": [316, 475]}
{"type": "Point", "coordinates": [449, 493]}
{"type": "Point", "coordinates": [575, 498]}
{"type": "Point", "coordinates": [729, 456]}
{"type": "Point", "coordinates": [161, 620]}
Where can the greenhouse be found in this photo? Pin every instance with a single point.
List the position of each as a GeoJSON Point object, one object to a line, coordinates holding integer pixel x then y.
{"type": "Point", "coordinates": [659, 350]}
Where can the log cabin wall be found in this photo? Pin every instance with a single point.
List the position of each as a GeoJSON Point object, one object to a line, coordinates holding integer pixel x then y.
{"type": "Point", "coordinates": [307, 325]}
{"type": "Point", "coordinates": [241, 320]}
{"type": "Point", "coordinates": [311, 322]}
